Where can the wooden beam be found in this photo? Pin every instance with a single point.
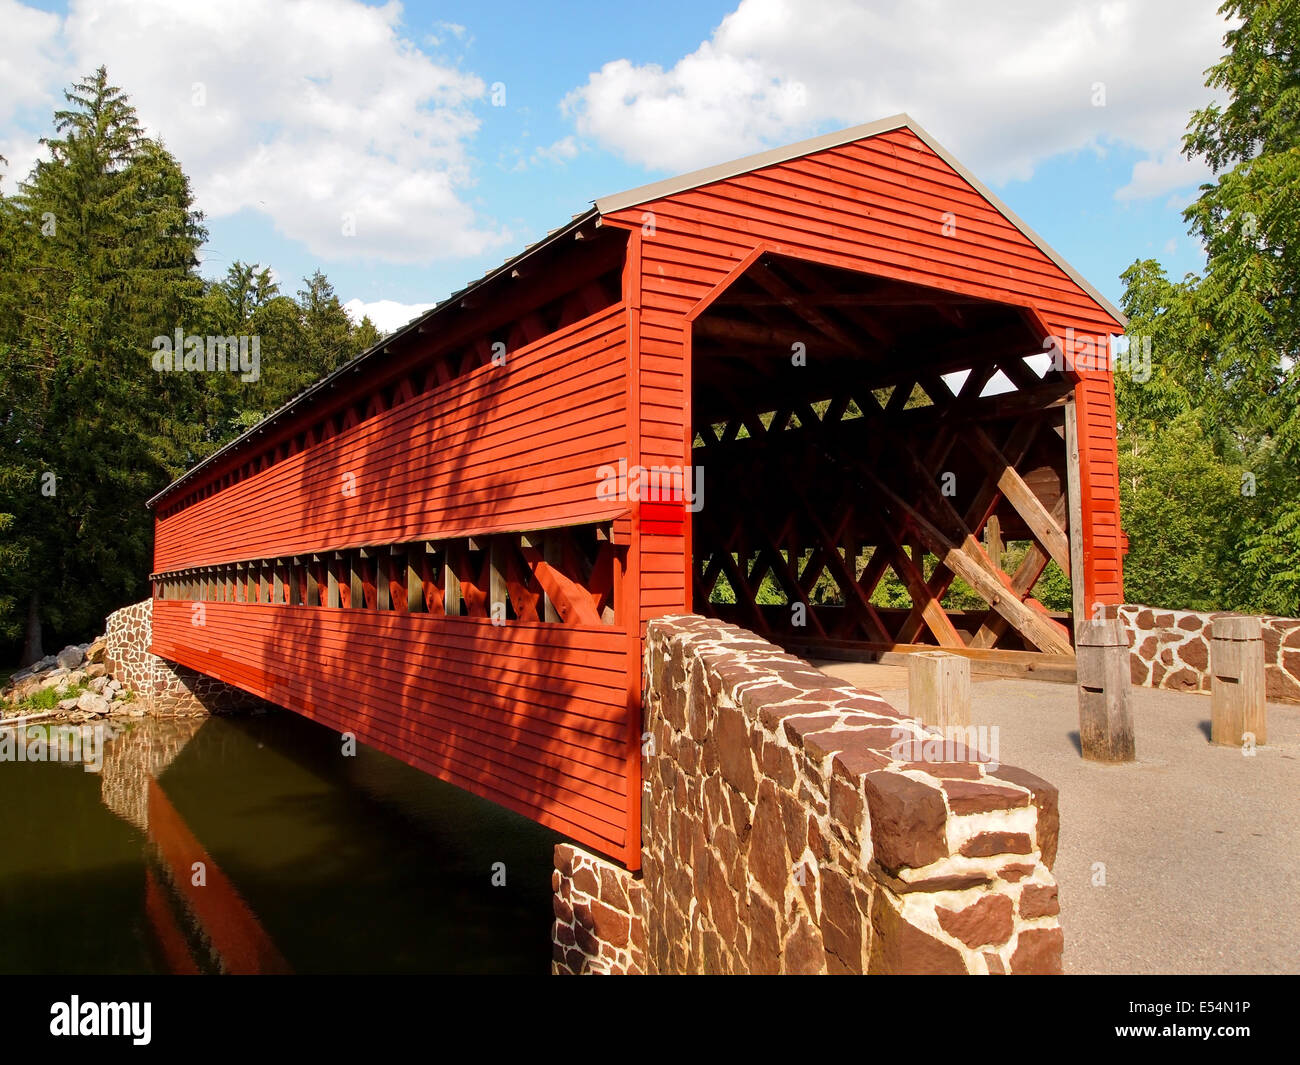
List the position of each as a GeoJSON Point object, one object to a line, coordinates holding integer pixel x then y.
{"type": "Point", "coordinates": [1022, 582]}
{"type": "Point", "coordinates": [977, 514]}
{"type": "Point", "coordinates": [1074, 493]}
{"type": "Point", "coordinates": [761, 336]}
{"type": "Point", "coordinates": [936, 618]}
{"type": "Point", "coordinates": [1021, 497]}
{"type": "Point", "coordinates": [968, 561]}
{"type": "Point", "coordinates": [498, 589]}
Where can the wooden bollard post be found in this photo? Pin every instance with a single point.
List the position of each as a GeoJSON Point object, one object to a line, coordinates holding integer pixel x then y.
{"type": "Point", "coordinates": [1105, 720]}
{"type": "Point", "coordinates": [938, 688]}
{"type": "Point", "coordinates": [1237, 711]}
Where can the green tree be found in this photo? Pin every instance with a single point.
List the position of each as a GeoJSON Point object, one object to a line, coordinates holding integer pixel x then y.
{"type": "Point", "coordinates": [1210, 447]}
{"type": "Point", "coordinates": [109, 238]}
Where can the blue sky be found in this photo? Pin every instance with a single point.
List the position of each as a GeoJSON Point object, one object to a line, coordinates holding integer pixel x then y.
{"type": "Point", "coordinates": [294, 117]}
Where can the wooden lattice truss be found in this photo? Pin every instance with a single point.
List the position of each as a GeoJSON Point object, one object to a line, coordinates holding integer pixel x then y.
{"type": "Point", "coordinates": [867, 461]}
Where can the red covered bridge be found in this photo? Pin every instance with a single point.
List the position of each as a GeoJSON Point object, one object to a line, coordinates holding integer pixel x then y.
{"type": "Point", "coordinates": [446, 549]}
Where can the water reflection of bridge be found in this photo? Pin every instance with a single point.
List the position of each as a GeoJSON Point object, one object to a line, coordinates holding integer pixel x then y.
{"type": "Point", "coordinates": [198, 920]}
{"type": "Point", "coordinates": [333, 864]}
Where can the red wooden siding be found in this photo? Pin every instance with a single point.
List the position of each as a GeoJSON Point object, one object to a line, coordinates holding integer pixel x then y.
{"type": "Point", "coordinates": [508, 447]}
{"type": "Point", "coordinates": [875, 205]}
{"type": "Point", "coordinates": [531, 716]}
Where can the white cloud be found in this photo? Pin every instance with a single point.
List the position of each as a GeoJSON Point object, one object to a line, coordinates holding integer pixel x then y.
{"type": "Point", "coordinates": [1004, 84]}
{"type": "Point", "coordinates": [1165, 171]}
{"type": "Point", "coordinates": [387, 315]}
{"type": "Point", "coordinates": [21, 153]}
{"type": "Point", "coordinates": [30, 60]}
{"type": "Point", "coordinates": [317, 113]}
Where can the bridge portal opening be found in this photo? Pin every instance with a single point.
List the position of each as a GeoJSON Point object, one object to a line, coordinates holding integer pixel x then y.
{"type": "Point", "coordinates": [885, 468]}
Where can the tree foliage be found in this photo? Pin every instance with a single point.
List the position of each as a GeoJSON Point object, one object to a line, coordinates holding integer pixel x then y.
{"type": "Point", "coordinates": [99, 254]}
{"type": "Point", "coordinates": [1210, 447]}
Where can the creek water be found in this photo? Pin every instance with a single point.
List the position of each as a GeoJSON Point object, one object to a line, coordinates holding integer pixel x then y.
{"type": "Point", "coordinates": [252, 844]}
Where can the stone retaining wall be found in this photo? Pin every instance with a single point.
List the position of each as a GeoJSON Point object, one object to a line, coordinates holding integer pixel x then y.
{"type": "Point", "coordinates": [1171, 649]}
{"type": "Point", "coordinates": [599, 916]}
{"type": "Point", "coordinates": [795, 824]}
{"type": "Point", "coordinates": [162, 688]}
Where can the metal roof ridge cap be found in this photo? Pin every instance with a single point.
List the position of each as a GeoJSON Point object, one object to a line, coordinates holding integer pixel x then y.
{"type": "Point", "coordinates": [656, 190]}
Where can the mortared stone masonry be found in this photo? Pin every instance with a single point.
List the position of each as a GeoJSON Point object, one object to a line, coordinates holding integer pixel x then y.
{"type": "Point", "coordinates": [1171, 649]}
{"type": "Point", "coordinates": [795, 824]}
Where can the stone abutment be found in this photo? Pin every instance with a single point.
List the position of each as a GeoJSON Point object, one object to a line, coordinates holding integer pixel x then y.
{"type": "Point", "coordinates": [795, 824]}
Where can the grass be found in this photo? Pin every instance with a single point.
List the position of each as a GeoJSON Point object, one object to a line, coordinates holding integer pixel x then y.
{"type": "Point", "coordinates": [47, 699]}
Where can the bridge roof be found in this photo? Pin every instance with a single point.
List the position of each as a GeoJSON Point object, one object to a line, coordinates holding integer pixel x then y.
{"type": "Point", "coordinates": [608, 205]}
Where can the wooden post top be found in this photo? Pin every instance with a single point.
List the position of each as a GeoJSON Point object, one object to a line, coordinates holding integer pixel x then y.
{"type": "Point", "coordinates": [1236, 627]}
{"type": "Point", "coordinates": [1107, 633]}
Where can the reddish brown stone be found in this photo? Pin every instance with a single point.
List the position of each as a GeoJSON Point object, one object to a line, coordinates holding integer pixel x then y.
{"type": "Point", "coordinates": [1137, 670]}
{"type": "Point", "coordinates": [768, 861]}
{"type": "Point", "coordinates": [839, 904]}
{"type": "Point", "coordinates": [699, 704]}
{"type": "Point", "coordinates": [845, 803]}
{"type": "Point", "coordinates": [1191, 623]}
{"type": "Point", "coordinates": [611, 926]}
{"type": "Point", "coordinates": [898, 948]}
{"type": "Point", "coordinates": [986, 922]}
{"type": "Point", "coordinates": [795, 821]}
{"type": "Point", "coordinates": [722, 904]}
{"type": "Point", "coordinates": [1283, 687]}
{"type": "Point", "coordinates": [857, 763]}
{"type": "Point", "coordinates": [740, 812]}
{"type": "Point", "coordinates": [564, 935]}
{"type": "Point", "coordinates": [772, 715]}
{"type": "Point", "coordinates": [1038, 952]}
{"type": "Point", "coordinates": [987, 844]}
{"type": "Point", "coordinates": [715, 808]}
{"type": "Point", "coordinates": [1183, 680]}
{"type": "Point", "coordinates": [907, 820]}
{"type": "Point", "coordinates": [1196, 653]}
{"type": "Point", "coordinates": [760, 695]}
{"type": "Point", "coordinates": [764, 946]}
{"type": "Point", "coordinates": [994, 961]}
{"type": "Point", "coordinates": [1047, 799]}
{"type": "Point", "coordinates": [969, 797]}
{"type": "Point", "coordinates": [575, 960]}
{"type": "Point", "coordinates": [1039, 900]}
{"type": "Point", "coordinates": [732, 738]}
{"type": "Point", "coordinates": [1148, 649]}
{"type": "Point", "coordinates": [953, 770]}
{"type": "Point", "coordinates": [1015, 872]}
{"type": "Point", "coordinates": [587, 942]}
{"type": "Point", "coordinates": [816, 842]}
{"type": "Point", "coordinates": [671, 687]}
{"type": "Point", "coordinates": [563, 911]}
{"type": "Point", "coordinates": [564, 855]}
{"type": "Point", "coordinates": [555, 880]}
{"type": "Point", "coordinates": [726, 846]}
{"type": "Point", "coordinates": [584, 879]}
{"type": "Point", "coordinates": [611, 889]}
{"type": "Point", "coordinates": [778, 763]}
{"type": "Point", "coordinates": [714, 958]}
{"type": "Point", "coordinates": [797, 728]}
{"type": "Point", "coordinates": [803, 953]}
